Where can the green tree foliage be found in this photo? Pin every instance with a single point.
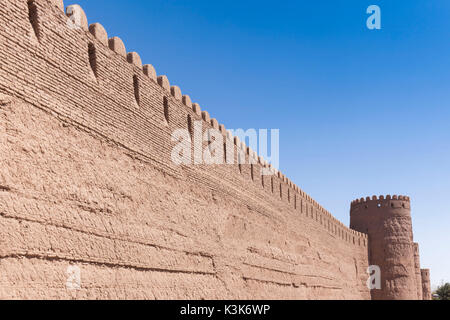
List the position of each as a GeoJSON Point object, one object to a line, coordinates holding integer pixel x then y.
{"type": "Point", "coordinates": [444, 292]}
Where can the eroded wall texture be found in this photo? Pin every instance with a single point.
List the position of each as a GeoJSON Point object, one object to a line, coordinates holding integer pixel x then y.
{"type": "Point", "coordinates": [86, 180]}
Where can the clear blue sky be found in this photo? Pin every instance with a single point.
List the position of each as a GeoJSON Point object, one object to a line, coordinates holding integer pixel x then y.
{"type": "Point", "coordinates": [360, 112]}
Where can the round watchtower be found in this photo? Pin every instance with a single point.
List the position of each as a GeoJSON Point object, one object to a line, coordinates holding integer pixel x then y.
{"type": "Point", "coordinates": [387, 221]}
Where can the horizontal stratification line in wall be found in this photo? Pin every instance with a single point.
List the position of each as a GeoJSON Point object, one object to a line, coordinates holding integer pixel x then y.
{"type": "Point", "coordinates": [102, 235]}
{"type": "Point", "coordinates": [100, 263]}
{"type": "Point", "coordinates": [268, 281]}
{"type": "Point", "coordinates": [294, 285]}
{"type": "Point", "coordinates": [271, 269]}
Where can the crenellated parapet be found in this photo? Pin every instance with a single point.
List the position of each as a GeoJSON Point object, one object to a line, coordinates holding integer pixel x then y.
{"type": "Point", "coordinates": [100, 65]}
{"type": "Point", "coordinates": [381, 200]}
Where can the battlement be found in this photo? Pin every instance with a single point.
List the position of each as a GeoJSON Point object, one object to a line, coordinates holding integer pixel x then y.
{"type": "Point", "coordinates": [142, 74]}
{"type": "Point", "coordinates": [380, 198]}
{"type": "Point", "coordinates": [395, 201]}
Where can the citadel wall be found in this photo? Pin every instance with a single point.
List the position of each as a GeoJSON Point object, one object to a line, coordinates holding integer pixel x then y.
{"type": "Point", "coordinates": [86, 179]}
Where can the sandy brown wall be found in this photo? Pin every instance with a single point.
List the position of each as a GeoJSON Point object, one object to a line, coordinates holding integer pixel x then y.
{"type": "Point", "coordinates": [86, 179]}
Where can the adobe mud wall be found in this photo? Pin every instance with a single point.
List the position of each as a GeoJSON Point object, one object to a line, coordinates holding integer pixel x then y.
{"type": "Point", "coordinates": [86, 179]}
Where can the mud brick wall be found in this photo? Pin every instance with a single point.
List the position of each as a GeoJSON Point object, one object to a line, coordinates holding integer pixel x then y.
{"type": "Point", "coordinates": [86, 180]}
